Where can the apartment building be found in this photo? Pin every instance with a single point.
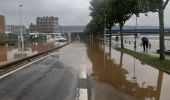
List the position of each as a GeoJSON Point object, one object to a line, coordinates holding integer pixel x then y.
{"type": "Point", "coordinates": [32, 28]}
{"type": "Point", "coordinates": [47, 24]}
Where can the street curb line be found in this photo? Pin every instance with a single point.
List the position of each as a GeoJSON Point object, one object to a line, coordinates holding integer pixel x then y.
{"type": "Point", "coordinates": [1, 77]}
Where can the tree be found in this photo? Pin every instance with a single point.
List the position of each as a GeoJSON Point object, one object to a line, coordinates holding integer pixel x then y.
{"type": "Point", "coordinates": [159, 6]}
{"type": "Point", "coordinates": [103, 10]}
{"type": "Point", "coordinates": [119, 11]}
{"type": "Point", "coordinates": [97, 9]}
{"type": "Point", "coordinates": [113, 11]}
{"type": "Point", "coordinates": [109, 17]}
{"type": "Point", "coordinates": [95, 27]}
{"type": "Point", "coordinates": [124, 9]}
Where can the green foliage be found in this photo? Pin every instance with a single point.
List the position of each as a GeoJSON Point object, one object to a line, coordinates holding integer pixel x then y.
{"type": "Point", "coordinates": [102, 16]}
{"type": "Point", "coordinates": [106, 13]}
{"type": "Point", "coordinates": [123, 10]}
{"type": "Point", "coordinates": [97, 8]}
{"type": "Point", "coordinates": [95, 26]}
{"type": "Point", "coordinates": [156, 5]}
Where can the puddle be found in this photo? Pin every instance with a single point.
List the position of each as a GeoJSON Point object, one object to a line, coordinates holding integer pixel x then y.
{"type": "Point", "coordinates": [127, 74]}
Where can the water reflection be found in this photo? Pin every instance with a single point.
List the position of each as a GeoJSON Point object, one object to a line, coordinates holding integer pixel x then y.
{"type": "Point", "coordinates": [41, 47]}
{"type": "Point", "coordinates": [3, 53]}
{"type": "Point", "coordinates": [13, 52]}
{"type": "Point", "coordinates": [159, 85]}
{"type": "Point", "coordinates": [126, 74]}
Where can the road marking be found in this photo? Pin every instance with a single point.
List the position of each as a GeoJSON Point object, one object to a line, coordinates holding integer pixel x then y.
{"type": "Point", "coordinates": [21, 67]}
{"type": "Point", "coordinates": [83, 71]}
{"type": "Point", "coordinates": [83, 94]}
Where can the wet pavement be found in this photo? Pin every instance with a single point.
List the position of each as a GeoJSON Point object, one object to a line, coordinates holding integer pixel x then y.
{"type": "Point", "coordinates": [56, 77]}
{"type": "Point", "coordinates": [86, 71]}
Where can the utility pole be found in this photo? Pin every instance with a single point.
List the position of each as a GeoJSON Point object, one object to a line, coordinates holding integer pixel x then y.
{"type": "Point", "coordinates": [135, 32]}
{"type": "Point", "coordinates": [21, 38]}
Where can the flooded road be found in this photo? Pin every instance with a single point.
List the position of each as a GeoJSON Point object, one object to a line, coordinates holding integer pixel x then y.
{"type": "Point", "coordinates": [55, 77]}
{"type": "Point", "coordinates": [129, 42]}
{"type": "Point", "coordinates": [86, 70]}
{"type": "Point", "coordinates": [122, 74]}
{"type": "Point", "coordinates": [13, 52]}
{"type": "Point", "coordinates": [153, 40]}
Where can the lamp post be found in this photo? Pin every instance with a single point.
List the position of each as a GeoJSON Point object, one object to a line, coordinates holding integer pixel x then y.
{"type": "Point", "coordinates": [135, 33]}
{"type": "Point", "coordinates": [104, 39]}
{"type": "Point", "coordinates": [21, 38]}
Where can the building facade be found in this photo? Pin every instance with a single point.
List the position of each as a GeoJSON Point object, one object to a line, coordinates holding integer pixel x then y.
{"type": "Point", "coordinates": [47, 24]}
{"type": "Point", "coordinates": [2, 24]}
{"type": "Point", "coordinates": [32, 28]}
{"type": "Point", "coordinates": [15, 29]}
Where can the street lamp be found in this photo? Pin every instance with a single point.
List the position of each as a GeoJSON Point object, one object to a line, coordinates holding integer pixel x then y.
{"type": "Point", "coordinates": [21, 38]}
{"type": "Point", "coordinates": [135, 33]}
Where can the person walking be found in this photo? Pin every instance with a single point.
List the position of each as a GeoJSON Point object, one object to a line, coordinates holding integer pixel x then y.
{"type": "Point", "coordinates": [145, 43]}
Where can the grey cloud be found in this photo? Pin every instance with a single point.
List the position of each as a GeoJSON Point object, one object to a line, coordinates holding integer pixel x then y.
{"type": "Point", "coordinates": [70, 12]}
{"type": "Point", "coordinates": [152, 19]}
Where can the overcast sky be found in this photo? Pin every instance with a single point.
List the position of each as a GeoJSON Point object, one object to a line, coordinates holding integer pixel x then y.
{"type": "Point", "coordinates": [70, 12]}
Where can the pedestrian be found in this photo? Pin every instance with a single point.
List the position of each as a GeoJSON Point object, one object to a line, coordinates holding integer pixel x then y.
{"type": "Point", "coordinates": [145, 43]}
{"type": "Point", "coordinates": [134, 44]}
{"type": "Point", "coordinates": [117, 39]}
{"type": "Point", "coordinates": [150, 45]}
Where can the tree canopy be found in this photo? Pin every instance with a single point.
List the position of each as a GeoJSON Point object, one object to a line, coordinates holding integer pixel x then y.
{"type": "Point", "coordinates": [106, 13]}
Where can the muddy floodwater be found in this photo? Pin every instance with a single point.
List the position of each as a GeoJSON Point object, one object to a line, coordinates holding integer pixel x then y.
{"type": "Point", "coordinates": [114, 75]}
{"type": "Point", "coordinates": [12, 52]}
{"type": "Point", "coordinates": [118, 73]}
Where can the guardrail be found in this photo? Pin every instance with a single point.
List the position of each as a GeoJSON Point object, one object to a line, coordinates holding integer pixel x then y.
{"type": "Point", "coordinates": [5, 66]}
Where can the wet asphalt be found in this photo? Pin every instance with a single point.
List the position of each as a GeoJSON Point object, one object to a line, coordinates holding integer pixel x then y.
{"type": "Point", "coordinates": [55, 77]}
